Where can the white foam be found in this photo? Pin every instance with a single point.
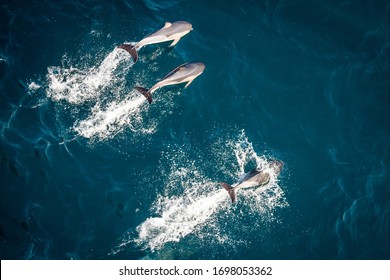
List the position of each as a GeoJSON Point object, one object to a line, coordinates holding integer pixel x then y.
{"type": "Point", "coordinates": [110, 109]}
{"type": "Point", "coordinates": [180, 216]}
{"type": "Point", "coordinates": [76, 85]}
{"type": "Point", "coordinates": [33, 87]}
{"type": "Point", "coordinates": [106, 122]}
{"type": "Point", "coordinates": [244, 152]}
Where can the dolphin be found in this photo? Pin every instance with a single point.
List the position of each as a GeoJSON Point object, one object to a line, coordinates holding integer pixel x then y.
{"type": "Point", "coordinates": [170, 32]}
{"type": "Point", "coordinates": [186, 72]}
{"type": "Point", "coordinates": [252, 179]}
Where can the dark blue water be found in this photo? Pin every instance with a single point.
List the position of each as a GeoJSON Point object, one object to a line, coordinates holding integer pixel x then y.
{"type": "Point", "coordinates": [90, 171]}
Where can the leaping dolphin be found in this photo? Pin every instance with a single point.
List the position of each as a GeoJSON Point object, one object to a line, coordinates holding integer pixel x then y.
{"type": "Point", "coordinates": [254, 178]}
{"type": "Point", "coordinates": [184, 73]}
{"type": "Point", "coordinates": [170, 32]}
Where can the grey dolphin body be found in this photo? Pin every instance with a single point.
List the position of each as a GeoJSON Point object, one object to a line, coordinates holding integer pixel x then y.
{"type": "Point", "coordinates": [254, 178]}
{"type": "Point", "coordinates": [170, 32]}
{"type": "Point", "coordinates": [184, 73]}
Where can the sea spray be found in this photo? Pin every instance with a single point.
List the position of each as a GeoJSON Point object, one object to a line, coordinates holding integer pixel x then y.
{"type": "Point", "coordinates": [106, 123]}
{"type": "Point", "coordinates": [76, 84]}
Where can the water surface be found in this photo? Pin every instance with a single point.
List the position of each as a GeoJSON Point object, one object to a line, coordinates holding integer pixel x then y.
{"type": "Point", "coordinates": [90, 171]}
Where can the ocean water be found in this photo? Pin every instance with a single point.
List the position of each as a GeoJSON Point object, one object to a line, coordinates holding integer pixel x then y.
{"type": "Point", "coordinates": [90, 170]}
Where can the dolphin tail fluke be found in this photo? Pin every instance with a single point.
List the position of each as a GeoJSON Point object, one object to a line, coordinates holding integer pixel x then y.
{"type": "Point", "coordinates": [131, 50]}
{"type": "Point", "coordinates": [145, 92]}
{"type": "Point", "coordinates": [230, 190]}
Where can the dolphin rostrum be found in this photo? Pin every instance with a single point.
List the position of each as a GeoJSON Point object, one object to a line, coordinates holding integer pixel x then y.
{"type": "Point", "coordinates": [184, 73]}
{"type": "Point", "coordinates": [170, 32]}
{"type": "Point", "coordinates": [252, 179]}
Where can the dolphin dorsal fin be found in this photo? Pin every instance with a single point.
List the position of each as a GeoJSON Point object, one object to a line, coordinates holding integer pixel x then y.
{"type": "Point", "coordinates": [167, 24]}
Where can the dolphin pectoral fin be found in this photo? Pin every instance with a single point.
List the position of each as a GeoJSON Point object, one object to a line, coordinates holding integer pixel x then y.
{"type": "Point", "coordinates": [174, 42]}
{"type": "Point", "coordinates": [145, 92]}
{"type": "Point", "coordinates": [230, 190]}
{"type": "Point", "coordinates": [131, 50]}
{"type": "Point", "coordinates": [188, 83]}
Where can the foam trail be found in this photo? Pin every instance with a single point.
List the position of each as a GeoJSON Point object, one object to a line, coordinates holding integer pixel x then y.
{"type": "Point", "coordinates": [180, 216]}
{"type": "Point", "coordinates": [110, 121]}
{"type": "Point", "coordinates": [76, 86]}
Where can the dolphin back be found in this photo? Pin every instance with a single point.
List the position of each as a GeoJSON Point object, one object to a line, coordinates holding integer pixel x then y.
{"type": "Point", "coordinates": [174, 71]}
{"type": "Point", "coordinates": [170, 29]}
{"type": "Point", "coordinates": [249, 175]}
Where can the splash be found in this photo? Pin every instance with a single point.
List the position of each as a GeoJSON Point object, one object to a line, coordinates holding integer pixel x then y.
{"type": "Point", "coordinates": [97, 99]}
{"type": "Point", "coordinates": [77, 85]}
{"type": "Point", "coordinates": [192, 204]}
{"type": "Point", "coordinates": [179, 216]}
{"type": "Point", "coordinates": [106, 123]}
{"type": "Point", "coordinates": [32, 87]}
{"type": "Point", "coordinates": [245, 153]}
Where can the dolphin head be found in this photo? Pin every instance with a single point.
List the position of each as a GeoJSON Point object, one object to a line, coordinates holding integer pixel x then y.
{"type": "Point", "coordinates": [195, 68]}
{"type": "Point", "coordinates": [183, 25]}
{"type": "Point", "coordinates": [200, 67]}
{"type": "Point", "coordinates": [189, 26]}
